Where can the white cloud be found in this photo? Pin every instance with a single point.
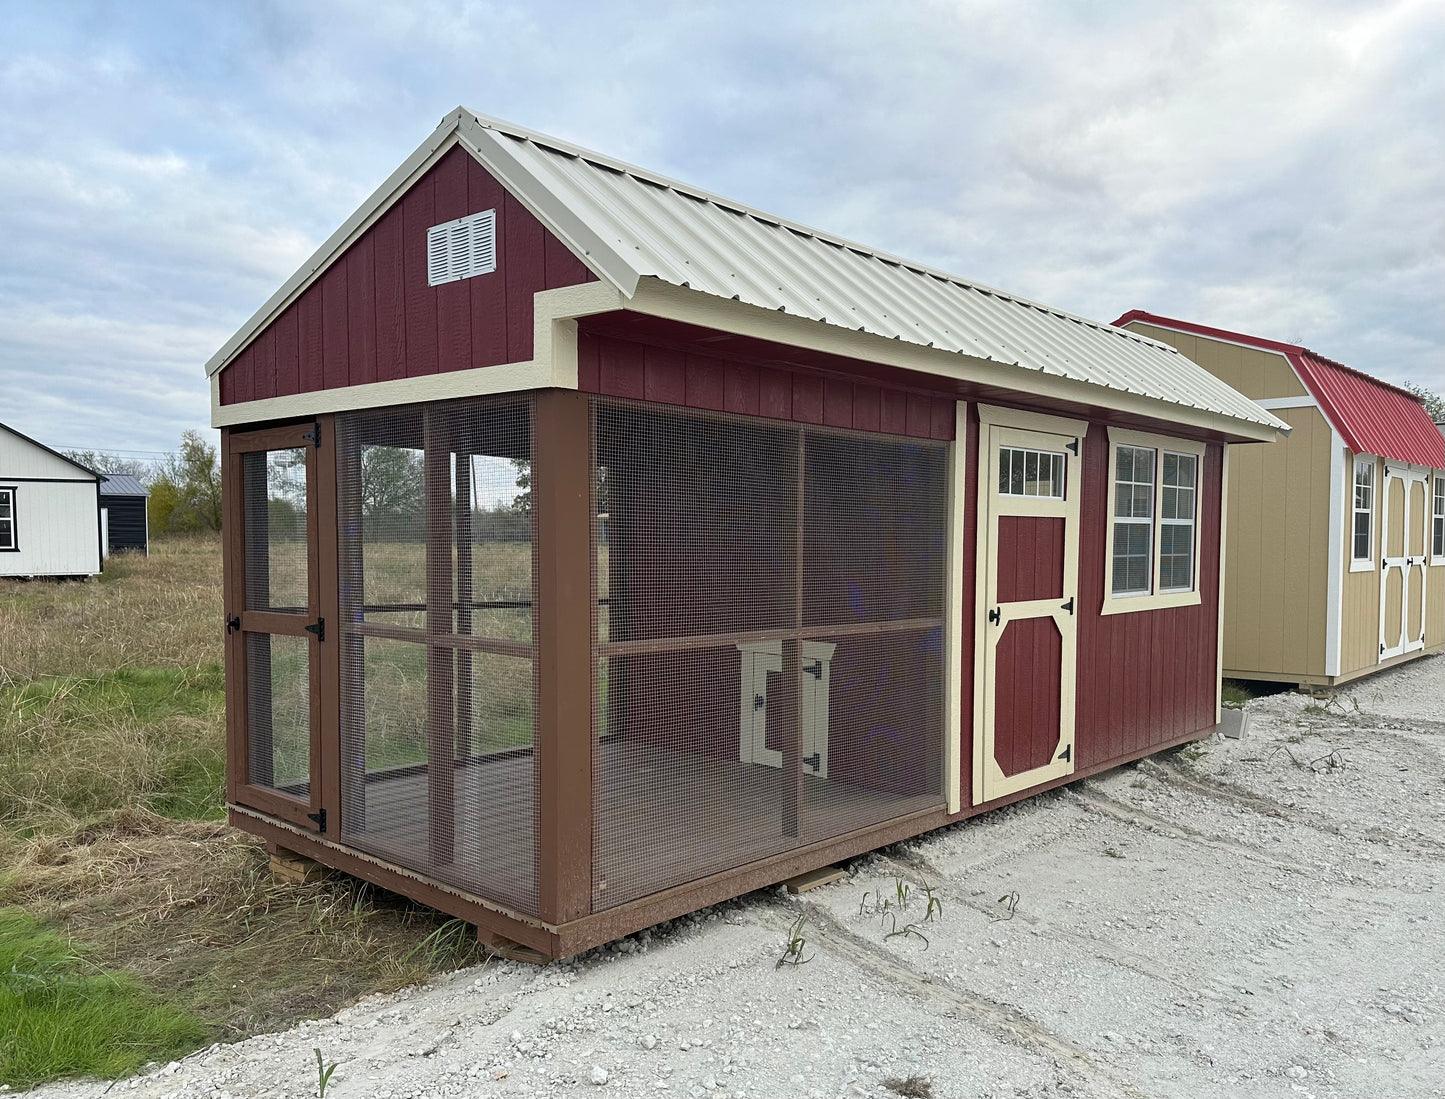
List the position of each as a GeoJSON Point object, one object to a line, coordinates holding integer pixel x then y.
{"type": "Point", "coordinates": [1272, 166]}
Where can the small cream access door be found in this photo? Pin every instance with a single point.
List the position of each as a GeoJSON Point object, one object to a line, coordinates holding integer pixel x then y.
{"type": "Point", "coordinates": [759, 658]}
{"type": "Point", "coordinates": [1404, 525]}
{"type": "Point", "coordinates": [1030, 478]}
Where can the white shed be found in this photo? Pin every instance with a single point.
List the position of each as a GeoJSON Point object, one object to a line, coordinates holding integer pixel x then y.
{"type": "Point", "coordinates": [49, 511]}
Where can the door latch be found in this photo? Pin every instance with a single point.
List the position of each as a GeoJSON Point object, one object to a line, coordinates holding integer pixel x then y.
{"type": "Point", "coordinates": [318, 628]}
{"type": "Point", "coordinates": [759, 702]}
{"type": "Point", "coordinates": [1069, 606]}
{"type": "Point", "coordinates": [233, 623]}
{"type": "Point", "coordinates": [1067, 755]}
{"type": "Point", "coordinates": [320, 818]}
{"type": "Point", "coordinates": [814, 761]}
{"type": "Point", "coordinates": [995, 615]}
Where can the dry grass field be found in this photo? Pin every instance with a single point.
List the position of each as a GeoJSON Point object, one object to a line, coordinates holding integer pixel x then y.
{"type": "Point", "coordinates": [111, 833]}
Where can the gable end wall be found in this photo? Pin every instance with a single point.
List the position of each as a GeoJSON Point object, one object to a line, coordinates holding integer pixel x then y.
{"type": "Point", "coordinates": [372, 317]}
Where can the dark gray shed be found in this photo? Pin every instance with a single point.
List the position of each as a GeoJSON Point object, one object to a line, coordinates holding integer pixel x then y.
{"type": "Point", "coordinates": [123, 501]}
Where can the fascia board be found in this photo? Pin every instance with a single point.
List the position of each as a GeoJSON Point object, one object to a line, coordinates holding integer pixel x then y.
{"type": "Point", "coordinates": [335, 245]}
{"type": "Point", "coordinates": [601, 257]}
{"type": "Point", "coordinates": [659, 298]}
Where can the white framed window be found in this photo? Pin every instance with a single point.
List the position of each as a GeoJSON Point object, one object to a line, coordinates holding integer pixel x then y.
{"type": "Point", "coordinates": [1026, 472]}
{"type": "Point", "coordinates": [1362, 516]}
{"type": "Point", "coordinates": [1177, 494]}
{"type": "Point", "coordinates": [9, 535]}
{"type": "Point", "coordinates": [1152, 551]}
{"type": "Point", "coordinates": [1132, 559]}
{"type": "Point", "coordinates": [1437, 521]}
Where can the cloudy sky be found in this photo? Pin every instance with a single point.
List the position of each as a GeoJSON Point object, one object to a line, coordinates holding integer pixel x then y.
{"type": "Point", "coordinates": [1274, 167]}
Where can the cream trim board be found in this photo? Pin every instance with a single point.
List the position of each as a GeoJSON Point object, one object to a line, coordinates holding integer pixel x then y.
{"type": "Point", "coordinates": [1272, 403]}
{"type": "Point", "coordinates": [953, 623]}
{"type": "Point", "coordinates": [1365, 564]}
{"type": "Point", "coordinates": [1335, 563]}
{"type": "Point", "coordinates": [1155, 600]}
{"type": "Point", "coordinates": [1032, 421]}
{"type": "Point", "coordinates": [1219, 588]}
{"type": "Point", "coordinates": [553, 365]}
{"type": "Point", "coordinates": [989, 781]}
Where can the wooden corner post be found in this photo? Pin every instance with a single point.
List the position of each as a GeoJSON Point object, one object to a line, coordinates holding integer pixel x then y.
{"type": "Point", "coordinates": [561, 498]}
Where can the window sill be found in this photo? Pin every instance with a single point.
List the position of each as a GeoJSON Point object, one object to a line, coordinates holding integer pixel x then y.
{"type": "Point", "coordinates": [1130, 603]}
{"type": "Point", "coordinates": [1362, 566]}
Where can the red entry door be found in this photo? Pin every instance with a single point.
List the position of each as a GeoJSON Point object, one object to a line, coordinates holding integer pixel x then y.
{"type": "Point", "coordinates": [273, 627]}
{"type": "Point", "coordinates": [1028, 604]}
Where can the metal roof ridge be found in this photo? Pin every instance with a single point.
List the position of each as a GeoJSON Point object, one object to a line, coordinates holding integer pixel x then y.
{"type": "Point", "coordinates": [645, 175]}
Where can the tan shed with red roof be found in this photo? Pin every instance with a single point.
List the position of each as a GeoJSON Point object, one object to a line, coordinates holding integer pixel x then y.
{"type": "Point", "coordinates": [1335, 553]}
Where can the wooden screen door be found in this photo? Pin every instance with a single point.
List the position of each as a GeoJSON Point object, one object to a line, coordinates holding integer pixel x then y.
{"type": "Point", "coordinates": [1404, 523]}
{"type": "Point", "coordinates": [1030, 480]}
{"type": "Point", "coordinates": [274, 628]}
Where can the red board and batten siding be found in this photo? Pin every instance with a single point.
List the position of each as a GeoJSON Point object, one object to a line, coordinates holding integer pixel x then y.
{"type": "Point", "coordinates": [372, 317]}
{"type": "Point", "coordinates": [643, 372]}
{"type": "Point", "coordinates": [1147, 677]}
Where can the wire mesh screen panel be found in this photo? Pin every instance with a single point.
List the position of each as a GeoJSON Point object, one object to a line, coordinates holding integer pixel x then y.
{"type": "Point", "coordinates": [438, 683]}
{"type": "Point", "coordinates": [278, 713]}
{"type": "Point", "coordinates": [274, 491]}
{"type": "Point", "coordinates": [770, 613]}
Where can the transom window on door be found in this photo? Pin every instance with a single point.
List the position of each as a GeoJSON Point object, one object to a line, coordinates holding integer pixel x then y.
{"type": "Point", "coordinates": [1025, 472]}
{"type": "Point", "coordinates": [1363, 517]}
{"type": "Point", "coordinates": [1153, 534]}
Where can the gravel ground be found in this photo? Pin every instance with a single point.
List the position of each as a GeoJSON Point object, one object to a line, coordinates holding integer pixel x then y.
{"type": "Point", "coordinates": [1240, 918]}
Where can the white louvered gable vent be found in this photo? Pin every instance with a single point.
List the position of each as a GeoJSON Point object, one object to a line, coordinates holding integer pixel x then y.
{"type": "Point", "coordinates": [462, 248]}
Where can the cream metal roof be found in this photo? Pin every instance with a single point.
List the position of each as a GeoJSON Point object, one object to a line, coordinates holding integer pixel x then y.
{"type": "Point", "coordinates": [629, 224]}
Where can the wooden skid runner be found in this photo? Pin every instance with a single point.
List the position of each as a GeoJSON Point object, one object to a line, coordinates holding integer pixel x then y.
{"type": "Point", "coordinates": [825, 875]}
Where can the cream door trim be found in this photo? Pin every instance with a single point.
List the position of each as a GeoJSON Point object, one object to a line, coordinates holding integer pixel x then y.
{"type": "Point", "coordinates": [1013, 427]}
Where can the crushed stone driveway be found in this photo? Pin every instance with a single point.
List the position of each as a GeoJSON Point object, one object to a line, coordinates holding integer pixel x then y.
{"type": "Point", "coordinates": [1236, 918]}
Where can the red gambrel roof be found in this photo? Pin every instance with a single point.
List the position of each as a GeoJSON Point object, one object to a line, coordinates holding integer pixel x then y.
{"type": "Point", "coordinates": [1373, 417]}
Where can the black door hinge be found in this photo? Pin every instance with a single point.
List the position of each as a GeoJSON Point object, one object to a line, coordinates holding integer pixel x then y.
{"type": "Point", "coordinates": [233, 623]}
{"type": "Point", "coordinates": [815, 669]}
{"type": "Point", "coordinates": [814, 761]}
{"type": "Point", "coordinates": [1074, 446]}
{"type": "Point", "coordinates": [318, 628]}
{"type": "Point", "coordinates": [1067, 755]}
{"type": "Point", "coordinates": [320, 818]}
{"type": "Point", "coordinates": [994, 616]}
{"type": "Point", "coordinates": [1069, 606]}
{"type": "Point", "coordinates": [314, 435]}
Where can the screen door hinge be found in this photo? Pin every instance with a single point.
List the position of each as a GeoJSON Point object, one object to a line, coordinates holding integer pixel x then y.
{"type": "Point", "coordinates": [1069, 606]}
{"type": "Point", "coordinates": [320, 818]}
{"type": "Point", "coordinates": [233, 623]}
{"type": "Point", "coordinates": [318, 628]}
{"type": "Point", "coordinates": [1067, 755]}
{"type": "Point", "coordinates": [314, 435]}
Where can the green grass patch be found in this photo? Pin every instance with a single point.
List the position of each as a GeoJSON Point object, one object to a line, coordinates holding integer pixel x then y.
{"type": "Point", "coordinates": [132, 738]}
{"type": "Point", "coordinates": [1234, 693]}
{"type": "Point", "coordinates": [61, 1016]}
